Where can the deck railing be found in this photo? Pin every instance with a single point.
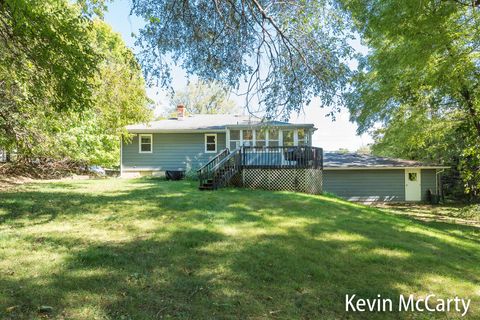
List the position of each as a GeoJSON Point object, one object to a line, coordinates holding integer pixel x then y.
{"type": "Point", "coordinates": [218, 171]}
{"type": "Point", "coordinates": [301, 157]}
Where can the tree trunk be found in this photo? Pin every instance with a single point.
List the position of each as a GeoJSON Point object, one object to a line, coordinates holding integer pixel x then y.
{"type": "Point", "coordinates": [471, 109]}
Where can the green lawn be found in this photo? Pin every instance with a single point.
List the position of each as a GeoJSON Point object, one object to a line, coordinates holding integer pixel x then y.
{"type": "Point", "coordinates": [148, 249]}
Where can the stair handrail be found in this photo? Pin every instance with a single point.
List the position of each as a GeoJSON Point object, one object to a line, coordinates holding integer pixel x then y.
{"type": "Point", "coordinates": [206, 170]}
{"type": "Point", "coordinates": [222, 153]}
{"type": "Point", "coordinates": [228, 157]}
{"type": "Point", "coordinates": [222, 178]}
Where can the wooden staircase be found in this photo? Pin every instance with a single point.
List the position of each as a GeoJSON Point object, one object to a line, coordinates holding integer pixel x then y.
{"type": "Point", "coordinates": [219, 171]}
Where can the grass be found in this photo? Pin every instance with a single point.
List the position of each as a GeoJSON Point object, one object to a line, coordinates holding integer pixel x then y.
{"type": "Point", "coordinates": [151, 249]}
{"type": "Point", "coordinates": [468, 214]}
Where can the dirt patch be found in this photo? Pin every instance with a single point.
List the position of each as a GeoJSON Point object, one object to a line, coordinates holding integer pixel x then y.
{"type": "Point", "coordinates": [9, 182]}
{"type": "Point", "coordinates": [457, 213]}
{"type": "Point", "coordinates": [13, 181]}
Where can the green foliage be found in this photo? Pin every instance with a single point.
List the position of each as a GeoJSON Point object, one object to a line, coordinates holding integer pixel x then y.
{"type": "Point", "coordinates": [68, 85]}
{"type": "Point", "coordinates": [284, 50]}
{"type": "Point", "coordinates": [46, 54]}
{"type": "Point", "coordinates": [420, 80]}
{"type": "Point", "coordinates": [119, 99]}
{"type": "Point", "coordinates": [202, 97]}
{"type": "Point", "coordinates": [343, 151]}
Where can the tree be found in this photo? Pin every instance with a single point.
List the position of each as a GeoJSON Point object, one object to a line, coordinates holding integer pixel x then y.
{"type": "Point", "coordinates": [46, 63]}
{"type": "Point", "coordinates": [421, 54]}
{"type": "Point", "coordinates": [420, 79]}
{"type": "Point", "coordinates": [343, 151]}
{"type": "Point", "coordinates": [285, 51]}
{"type": "Point", "coordinates": [204, 98]}
{"type": "Point", "coordinates": [68, 85]}
{"type": "Point", "coordinates": [364, 149]}
{"type": "Point", "coordinates": [119, 99]}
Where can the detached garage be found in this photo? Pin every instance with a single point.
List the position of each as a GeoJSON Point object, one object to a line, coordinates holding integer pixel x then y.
{"type": "Point", "coordinates": [367, 178]}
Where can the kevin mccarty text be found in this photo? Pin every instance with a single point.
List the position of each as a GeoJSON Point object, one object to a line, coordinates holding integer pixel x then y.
{"type": "Point", "coordinates": [430, 303]}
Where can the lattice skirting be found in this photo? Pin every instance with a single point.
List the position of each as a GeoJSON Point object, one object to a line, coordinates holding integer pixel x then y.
{"type": "Point", "coordinates": [300, 180]}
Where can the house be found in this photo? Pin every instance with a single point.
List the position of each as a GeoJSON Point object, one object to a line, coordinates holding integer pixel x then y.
{"type": "Point", "coordinates": [189, 142]}
{"type": "Point", "coordinates": [244, 151]}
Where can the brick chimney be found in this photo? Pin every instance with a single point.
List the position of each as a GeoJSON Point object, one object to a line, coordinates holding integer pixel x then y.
{"type": "Point", "coordinates": [180, 111]}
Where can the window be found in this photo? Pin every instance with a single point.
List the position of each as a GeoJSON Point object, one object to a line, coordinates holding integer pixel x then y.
{"type": "Point", "coordinates": [210, 143]}
{"type": "Point", "coordinates": [234, 139]}
{"type": "Point", "coordinates": [412, 176]}
{"type": "Point", "coordinates": [145, 143]}
{"type": "Point", "coordinates": [303, 137]}
{"type": "Point", "coordinates": [288, 138]}
{"type": "Point", "coordinates": [247, 137]}
{"type": "Point", "coordinates": [261, 138]}
{"type": "Point", "coordinates": [273, 138]}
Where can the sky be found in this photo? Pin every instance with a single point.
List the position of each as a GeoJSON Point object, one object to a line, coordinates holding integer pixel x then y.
{"type": "Point", "coordinates": [330, 135]}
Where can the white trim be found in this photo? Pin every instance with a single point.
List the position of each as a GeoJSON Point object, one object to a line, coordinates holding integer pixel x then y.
{"type": "Point", "coordinates": [381, 168]}
{"type": "Point", "coordinates": [295, 137]}
{"type": "Point", "coordinates": [413, 188]}
{"type": "Point", "coordinates": [211, 135]}
{"type": "Point", "coordinates": [140, 142]}
{"type": "Point", "coordinates": [227, 139]}
{"type": "Point", "coordinates": [137, 131]}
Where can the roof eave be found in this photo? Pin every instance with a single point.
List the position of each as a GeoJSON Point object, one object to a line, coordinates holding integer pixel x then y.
{"type": "Point", "coordinates": [134, 131]}
{"type": "Point", "coordinates": [384, 167]}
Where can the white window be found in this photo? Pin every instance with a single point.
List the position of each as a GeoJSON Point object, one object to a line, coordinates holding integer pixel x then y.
{"type": "Point", "coordinates": [288, 138]}
{"type": "Point", "coordinates": [247, 138]}
{"type": "Point", "coordinates": [211, 143]}
{"type": "Point", "coordinates": [261, 138]}
{"type": "Point", "coordinates": [145, 144]}
{"type": "Point", "coordinates": [303, 136]}
{"type": "Point", "coordinates": [273, 138]}
{"type": "Point", "coordinates": [234, 139]}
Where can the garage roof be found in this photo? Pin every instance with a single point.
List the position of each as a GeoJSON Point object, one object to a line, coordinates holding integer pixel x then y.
{"type": "Point", "coordinates": [338, 160]}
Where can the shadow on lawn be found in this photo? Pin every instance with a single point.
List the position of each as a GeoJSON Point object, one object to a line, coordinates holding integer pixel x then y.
{"type": "Point", "coordinates": [303, 271]}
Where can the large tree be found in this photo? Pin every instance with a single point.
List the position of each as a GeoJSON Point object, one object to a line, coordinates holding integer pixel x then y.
{"type": "Point", "coordinates": [46, 63]}
{"type": "Point", "coordinates": [420, 80]}
{"type": "Point", "coordinates": [285, 51]}
{"type": "Point", "coordinates": [119, 99]}
{"type": "Point", "coordinates": [202, 97]}
{"type": "Point", "coordinates": [68, 84]}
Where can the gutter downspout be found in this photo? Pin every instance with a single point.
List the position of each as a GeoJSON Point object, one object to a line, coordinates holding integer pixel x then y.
{"type": "Point", "coordinates": [436, 180]}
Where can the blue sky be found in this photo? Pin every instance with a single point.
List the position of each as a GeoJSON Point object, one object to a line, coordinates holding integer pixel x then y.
{"type": "Point", "coordinates": [331, 135]}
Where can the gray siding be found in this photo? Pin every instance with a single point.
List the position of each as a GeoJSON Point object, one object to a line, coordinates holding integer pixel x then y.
{"type": "Point", "coordinates": [171, 151]}
{"type": "Point", "coordinates": [428, 182]}
{"type": "Point", "coordinates": [366, 185]}
{"type": "Point", "coordinates": [374, 185]}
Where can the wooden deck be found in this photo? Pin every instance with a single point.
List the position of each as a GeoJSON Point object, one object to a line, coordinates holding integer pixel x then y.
{"type": "Point", "coordinates": [294, 168]}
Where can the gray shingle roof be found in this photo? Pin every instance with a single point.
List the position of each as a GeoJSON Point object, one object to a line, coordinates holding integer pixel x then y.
{"type": "Point", "coordinates": [354, 160]}
{"type": "Point", "coordinates": [205, 122]}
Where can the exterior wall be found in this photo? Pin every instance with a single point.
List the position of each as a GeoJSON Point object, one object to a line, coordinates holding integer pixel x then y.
{"type": "Point", "coordinates": [171, 151]}
{"type": "Point", "coordinates": [429, 181]}
{"type": "Point", "coordinates": [374, 185]}
{"type": "Point", "coordinates": [366, 185]}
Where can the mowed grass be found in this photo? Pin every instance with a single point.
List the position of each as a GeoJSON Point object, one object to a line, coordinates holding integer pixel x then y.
{"type": "Point", "coordinates": [151, 249]}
